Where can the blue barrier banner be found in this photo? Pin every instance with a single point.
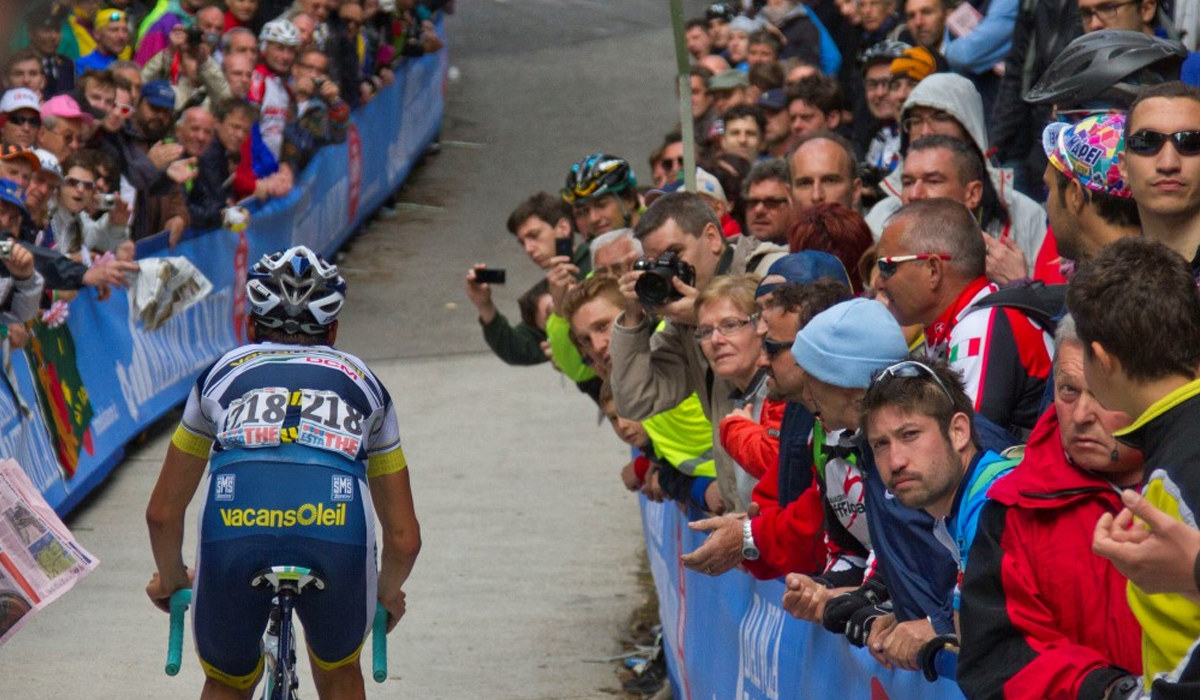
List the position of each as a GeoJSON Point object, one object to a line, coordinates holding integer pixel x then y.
{"type": "Point", "coordinates": [729, 636]}
{"type": "Point", "coordinates": [77, 394]}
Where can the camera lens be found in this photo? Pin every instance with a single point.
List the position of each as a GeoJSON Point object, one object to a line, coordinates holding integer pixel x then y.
{"type": "Point", "coordinates": [654, 288]}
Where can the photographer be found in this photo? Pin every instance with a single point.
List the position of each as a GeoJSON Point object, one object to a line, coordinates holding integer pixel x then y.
{"type": "Point", "coordinates": [188, 64]}
{"type": "Point", "coordinates": [20, 284]}
{"type": "Point", "coordinates": [654, 371]}
{"type": "Point", "coordinates": [72, 229]}
{"type": "Point", "coordinates": [323, 115]}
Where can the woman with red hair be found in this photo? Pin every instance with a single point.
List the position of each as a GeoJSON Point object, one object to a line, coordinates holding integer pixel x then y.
{"type": "Point", "coordinates": [833, 229]}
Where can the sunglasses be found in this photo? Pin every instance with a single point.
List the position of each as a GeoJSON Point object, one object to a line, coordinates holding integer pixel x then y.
{"type": "Point", "coordinates": [20, 120]}
{"type": "Point", "coordinates": [671, 163]}
{"type": "Point", "coordinates": [768, 202]}
{"type": "Point", "coordinates": [85, 185]}
{"type": "Point", "coordinates": [774, 347]}
{"type": "Point", "coordinates": [1148, 143]}
{"type": "Point", "coordinates": [910, 369]}
{"type": "Point", "coordinates": [888, 266]}
{"type": "Point", "coordinates": [123, 110]}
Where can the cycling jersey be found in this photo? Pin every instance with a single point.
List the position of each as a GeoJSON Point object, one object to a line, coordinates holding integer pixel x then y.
{"type": "Point", "coordinates": [291, 434]}
{"type": "Point", "coordinates": [271, 94]}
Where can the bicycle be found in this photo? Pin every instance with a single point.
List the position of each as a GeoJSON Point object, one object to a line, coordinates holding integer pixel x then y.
{"type": "Point", "coordinates": [279, 640]}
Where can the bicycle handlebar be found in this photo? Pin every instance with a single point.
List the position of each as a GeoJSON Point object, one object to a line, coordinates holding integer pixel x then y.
{"type": "Point", "coordinates": [180, 600]}
{"type": "Point", "coordinates": [379, 644]}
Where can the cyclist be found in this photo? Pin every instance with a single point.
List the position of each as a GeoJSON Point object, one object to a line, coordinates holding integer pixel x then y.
{"type": "Point", "coordinates": [293, 431]}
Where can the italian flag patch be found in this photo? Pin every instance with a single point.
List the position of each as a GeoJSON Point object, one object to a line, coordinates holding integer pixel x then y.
{"type": "Point", "coordinates": [962, 351]}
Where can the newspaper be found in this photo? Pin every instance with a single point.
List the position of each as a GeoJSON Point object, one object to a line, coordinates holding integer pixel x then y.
{"type": "Point", "coordinates": [39, 558]}
{"type": "Point", "coordinates": [165, 287]}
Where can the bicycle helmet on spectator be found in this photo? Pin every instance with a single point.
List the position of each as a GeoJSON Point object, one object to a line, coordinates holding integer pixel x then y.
{"type": "Point", "coordinates": [881, 53]}
{"type": "Point", "coordinates": [295, 291]}
{"type": "Point", "coordinates": [1105, 69]}
{"type": "Point", "coordinates": [720, 10]}
{"type": "Point", "coordinates": [280, 31]}
{"type": "Point", "coordinates": [597, 175]}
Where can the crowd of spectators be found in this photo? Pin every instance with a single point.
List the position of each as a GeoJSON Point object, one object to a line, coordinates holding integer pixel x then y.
{"type": "Point", "coordinates": [125, 119]}
{"type": "Point", "coordinates": [924, 341]}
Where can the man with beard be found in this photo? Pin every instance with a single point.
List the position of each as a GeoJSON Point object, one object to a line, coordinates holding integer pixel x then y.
{"type": "Point", "coordinates": [163, 207]}
{"type": "Point", "coordinates": [768, 198]}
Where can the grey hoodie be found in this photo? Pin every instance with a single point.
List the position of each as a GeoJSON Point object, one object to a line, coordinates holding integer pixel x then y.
{"type": "Point", "coordinates": [958, 97]}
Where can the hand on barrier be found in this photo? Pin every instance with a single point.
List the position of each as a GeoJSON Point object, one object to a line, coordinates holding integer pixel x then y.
{"type": "Point", "coordinates": [903, 642]}
{"type": "Point", "coordinates": [722, 550]}
{"type": "Point", "coordinates": [840, 609]}
{"type": "Point", "coordinates": [806, 598]}
{"type": "Point", "coordinates": [861, 627]}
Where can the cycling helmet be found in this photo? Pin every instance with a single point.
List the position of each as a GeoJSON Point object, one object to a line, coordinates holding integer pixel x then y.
{"type": "Point", "coordinates": [882, 53]}
{"type": "Point", "coordinates": [597, 175]}
{"type": "Point", "coordinates": [720, 10]}
{"type": "Point", "coordinates": [295, 291]}
{"type": "Point", "coordinates": [1106, 69]}
{"type": "Point", "coordinates": [280, 31]}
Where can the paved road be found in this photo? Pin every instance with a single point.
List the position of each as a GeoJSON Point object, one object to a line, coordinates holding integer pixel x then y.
{"type": "Point", "coordinates": [530, 543]}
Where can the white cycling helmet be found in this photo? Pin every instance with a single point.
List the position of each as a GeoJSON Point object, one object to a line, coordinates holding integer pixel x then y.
{"type": "Point", "coordinates": [280, 31]}
{"type": "Point", "coordinates": [296, 291]}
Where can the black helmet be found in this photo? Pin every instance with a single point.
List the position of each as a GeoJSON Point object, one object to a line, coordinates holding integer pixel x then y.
{"type": "Point", "coordinates": [720, 10]}
{"type": "Point", "coordinates": [1106, 69]}
{"type": "Point", "coordinates": [596, 176]}
{"type": "Point", "coordinates": [880, 53]}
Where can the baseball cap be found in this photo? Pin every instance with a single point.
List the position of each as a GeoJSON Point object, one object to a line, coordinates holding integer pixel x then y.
{"type": "Point", "coordinates": [802, 268]}
{"type": "Point", "coordinates": [11, 193]}
{"type": "Point", "coordinates": [20, 98]}
{"type": "Point", "coordinates": [774, 100]}
{"type": "Point", "coordinates": [49, 162]}
{"type": "Point", "coordinates": [65, 107]}
{"type": "Point", "coordinates": [159, 93]}
{"type": "Point", "coordinates": [742, 23]}
{"type": "Point", "coordinates": [10, 151]}
{"type": "Point", "coordinates": [916, 63]}
{"type": "Point", "coordinates": [107, 16]}
{"type": "Point", "coordinates": [1087, 152]}
{"type": "Point", "coordinates": [729, 80]}
{"type": "Point", "coordinates": [706, 184]}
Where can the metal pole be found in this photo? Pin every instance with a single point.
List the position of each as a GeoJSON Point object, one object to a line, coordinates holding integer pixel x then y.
{"type": "Point", "coordinates": [687, 128]}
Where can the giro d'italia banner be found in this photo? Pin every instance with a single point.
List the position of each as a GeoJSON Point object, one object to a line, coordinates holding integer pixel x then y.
{"type": "Point", "coordinates": [729, 637]}
{"type": "Point", "coordinates": [78, 393]}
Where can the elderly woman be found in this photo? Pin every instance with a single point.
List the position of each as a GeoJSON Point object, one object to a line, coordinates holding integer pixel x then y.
{"type": "Point", "coordinates": [1042, 616]}
{"type": "Point", "coordinates": [727, 331]}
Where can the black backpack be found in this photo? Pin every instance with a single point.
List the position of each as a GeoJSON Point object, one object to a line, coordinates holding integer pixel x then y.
{"type": "Point", "coordinates": [1044, 304]}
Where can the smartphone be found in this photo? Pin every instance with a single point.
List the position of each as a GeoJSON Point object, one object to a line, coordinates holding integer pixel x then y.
{"type": "Point", "coordinates": [563, 246]}
{"type": "Point", "coordinates": [486, 276]}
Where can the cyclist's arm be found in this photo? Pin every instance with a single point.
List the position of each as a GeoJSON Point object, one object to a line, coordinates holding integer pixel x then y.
{"type": "Point", "coordinates": [392, 496]}
{"type": "Point", "coordinates": [177, 483]}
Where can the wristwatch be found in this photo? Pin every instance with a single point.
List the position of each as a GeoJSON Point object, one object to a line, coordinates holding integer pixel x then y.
{"type": "Point", "coordinates": [749, 550]}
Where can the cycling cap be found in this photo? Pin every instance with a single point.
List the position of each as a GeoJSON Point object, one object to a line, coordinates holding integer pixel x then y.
{"type": "Point", "coordinates": [720, 10]}
{"type": "Point", "coordinates": [596, 176]}
{"type": "Point", "coordinates": [1107, 68]}
{"type": "Point", "coordinates": [882, 53]}
{"type": "Point", "coordinates": [1087, 152]}
{"type": "Point", "coordinates": [280, 31]}
{"type": "Point", "coordinates": [296, 291]}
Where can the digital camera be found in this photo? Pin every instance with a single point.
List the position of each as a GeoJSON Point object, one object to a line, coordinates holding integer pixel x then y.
{"type": "Point", "coordinates": [105, 202]}
{"type": "Point", "coordinates": [656, 287]}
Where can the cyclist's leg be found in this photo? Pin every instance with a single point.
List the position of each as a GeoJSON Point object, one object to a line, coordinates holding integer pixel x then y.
{"type": "Point", "coordinates": [228, 615]}
{"type": "Point", "coordinates": [344, 682]}
{"type": "Point", "coordinates": [216, 690]}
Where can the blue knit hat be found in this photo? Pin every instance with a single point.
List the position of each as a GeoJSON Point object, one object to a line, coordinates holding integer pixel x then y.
{"type": "Point", "coordinates": [802, 268]}
{"type": "Point", "coordinates": [848, 342]}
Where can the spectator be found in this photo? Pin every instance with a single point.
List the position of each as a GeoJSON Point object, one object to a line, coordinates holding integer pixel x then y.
{"type": "Point", "coordinates": [18, 164]}
{"type": "Point", "coordinates": [719, 15]}
{"type": "Point", "coordinates": [240, 41]}
{"type": "Point", "coordinates": [194, 131]}
{"type": "Point", "coordinates": [269, 88]}
{"type": "Point", "coordinates": [1133, 290]}
{"type": "Point", "coordinates": [649, 380]}
{"type": "Point", "coordinates": [979, 53]}
{"type": "Point", "coordinates": [832, 228]}
{"type": "Point", "coordinates": [777, 130]}
{"type": "Point", "coordinates": [743, 134]}
{"type": "Point", "coordinates": [324, 116]}
{"type": "Point", "coordinates": [737, 51]}
{"type": "Point", "coordinates": [920, 426]}
{"type": "Point", "coordinates": [670, 160]}
{"type": "Point", "coordinates": [238, 70]}
{"type": "Point", "coordinates": [41, 192]}
{"type": "Point", "coordinates": [814, 103]}
{"type": "Point", "coordinates": [908, 69]}
{"type": "Point", "coordinates": [162, 208]}
{"type": "Point", "coordinates": [307, 26]}
{"type": "Point", "coordinates": [695, 32]}
{"type": "Point", "coordinates": [613, 253]}
{"type": "Point", "coordinates": [235, 120]}
{"type": "Point", "coordinates": [187, 63]}
{"type": "Point", "coordinates": [768, 199]}
{"type": "Point", "coordinates": [1170, 214]}
{"type": "Point", "coordinates": [72, 229]}
{"type": "Point", "coordinates": [805, 37]}
{"type": "Point", "coordinates": [241, 13]}
{"type": "Point", "coordinates": [62, 126]}
{"type": "Point", "coordinates": [122, 108]}
{"type": "Point", "coordinates": [822, 169]}
{"type": "Point", "coordinates": [703, 114]}
{"type": "Point", "coordinates": [131, 73]}
{"type": "Point", "coordinates": [925, 22]}
{"type": "Point", "coordinates": [112, 41]}
{"type": "Point", "coordinates": [763, 77]}
{"type": "Point", "coordinates": [22, 117]}
{"type": "Point", "coordinates": [155, 31]}
{"type": "Point", "coordinates": [764, 49]}
{"type": "Point", "coordinates": [1088, 202]}
{"type": "Point", "coordinates": [729, 89]}
{"type": "Point", "coordinates": [20, 284]}
{"type": "Point", "coordinates": [602, 193]}
{"type": "Point", "coordinates": [1040, 617]}
{"type": "Point", "coordinates": [23, 70]}
{"type": "Point", "coordinates": [45, 33]}
{"type": "Point", "coordinates": [879, 135]}
{"type": "Point", "coordinates": [932, 264]}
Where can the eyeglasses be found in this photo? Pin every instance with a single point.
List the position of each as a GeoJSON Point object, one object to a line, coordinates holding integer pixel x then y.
{"type": "Point", "coordinates": [773, 347]}
{"type": "Point", "coordinates": [671, 163]}
{"type": "Point", "coordinates": [19, 120]}
{"type": "Point", "coordinates": [768, 202]}
{"type": "Point", "coordinates": [933, 120]}
{"type": "Point", "coordinates": [878, 84]}
{"type": "Point", "coordinates": [1105, 12]}
{"type": "Point", "coordinates": [910, 369]}
{"type": "Point", "coordinates": [887, 266]}
{"type": "Point", "coordinates": [727, 328]}
{"type": "Point", "coordinates": [1148, 143]}
{"type": "Point", "coordinates": [85, 185]}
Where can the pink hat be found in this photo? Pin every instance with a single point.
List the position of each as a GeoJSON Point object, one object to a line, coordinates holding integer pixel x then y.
{"type": "Point", "coordinates": [65, 107]}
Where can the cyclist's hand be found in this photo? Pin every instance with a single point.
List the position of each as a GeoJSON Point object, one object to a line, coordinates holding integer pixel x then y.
{"type": "Point", "coordinates": [393, 601]}
{"type": "Point", "coordinates": [160, 591]}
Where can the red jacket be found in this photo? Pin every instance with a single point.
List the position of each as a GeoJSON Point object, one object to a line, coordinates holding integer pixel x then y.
{"type": "Point", "coordinates": [754, 445]}
{"type": "Point", "coordinates": [1042, 616]}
